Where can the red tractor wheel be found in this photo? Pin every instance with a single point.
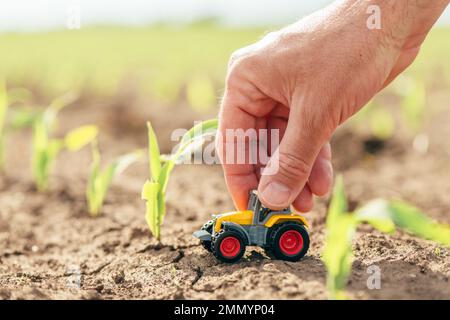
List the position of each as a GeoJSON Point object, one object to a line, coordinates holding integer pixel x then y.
{"type": "Point", "coordinates": [228, 246]}
{"type": "Point", "coordinates": [288, 241]}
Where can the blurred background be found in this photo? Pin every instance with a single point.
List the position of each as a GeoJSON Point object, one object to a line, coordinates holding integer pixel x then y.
{"type": "Point", "coordinates": [175, 52]}
{"type": "Point", "coordinates": [117, 64]}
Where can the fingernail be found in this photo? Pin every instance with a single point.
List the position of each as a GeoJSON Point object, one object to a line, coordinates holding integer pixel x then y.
{"type": "Point", "coordinates": [276, 194]}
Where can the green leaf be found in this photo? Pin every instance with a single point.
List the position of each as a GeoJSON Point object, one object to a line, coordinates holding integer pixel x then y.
{"type": "Point", "coordinates": [45, 151]}
{"type": "Point", "coordinates": [409, 218]}
{"type": "Point", "coordinates": [338, 204]}
{"type": "Point", "coordinates": [92, 193]}
{"type": "Point", "coordinates": [62, 101]}
{"type": "Point", "coordinates": [121, 163]}
{"type": "Point", "coordinates": [40, 156]}
{"type": "Point", "coordinates": [375, 213]}
{"type": "Point", "coordinates": [150, 194]}
{"type": "Point", "coordinates": [100, 181]}
{"type": "Point", "coordinates": [153, 153]}
{"type": "Point", "coordinates": [23, 117]}
{"type": "Point", "coordinates": [165, 173]}
{"type": "Point", "coordinates": [161, 209]}
{"type": "Point", "coordinates": [337, 253]}
{"type": "Point", "coordinates": [79, 137]}
{"type": "Point", "coordinates": [197, 133]}
{"type": "Point", "coordinates": [50, 114]}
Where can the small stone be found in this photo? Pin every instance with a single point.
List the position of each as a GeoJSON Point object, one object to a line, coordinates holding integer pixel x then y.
{"type": "Point", "coordinates": [119, 277]}
{"type": "Point", "coordinates": [99, 288]}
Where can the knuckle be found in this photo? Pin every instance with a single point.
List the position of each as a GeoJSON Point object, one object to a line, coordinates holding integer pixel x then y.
{"type": "Point", "coordinates": [292, 166]}
{"type": "Point", "coordinates": [233, 58]}
{"type": "Point", "coordinates": [241, 58]}
{"type": "Point", "coordinates": [236, 58]}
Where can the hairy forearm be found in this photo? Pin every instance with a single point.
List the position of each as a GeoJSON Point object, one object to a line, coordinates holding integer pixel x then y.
{"type": "Point", "coordinates": [405, 22]}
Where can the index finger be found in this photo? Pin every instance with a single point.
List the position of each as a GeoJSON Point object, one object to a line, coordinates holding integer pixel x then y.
{"type": "Point", "coordinates": [240, 177]}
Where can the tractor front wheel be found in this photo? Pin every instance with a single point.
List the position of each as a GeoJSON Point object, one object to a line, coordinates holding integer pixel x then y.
{"type": "Point", "coordinates": [228, 246]}
{"type": "Point", "coordinates": [288, 241]}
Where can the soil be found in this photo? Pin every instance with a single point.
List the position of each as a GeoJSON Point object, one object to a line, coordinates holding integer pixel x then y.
{"type": "Point", "coordinates": [49, 243]}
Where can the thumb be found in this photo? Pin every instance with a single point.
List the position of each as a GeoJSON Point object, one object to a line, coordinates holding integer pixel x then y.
{"type": "Point", "coordinates": [288, 169]}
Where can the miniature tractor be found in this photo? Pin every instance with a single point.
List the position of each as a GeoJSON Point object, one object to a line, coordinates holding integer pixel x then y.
{"type": "Point", "coordinates": [283, 234]}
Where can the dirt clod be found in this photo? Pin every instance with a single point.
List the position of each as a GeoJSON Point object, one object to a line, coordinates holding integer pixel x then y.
{"type": "Point", "coordinates": [119, 277]}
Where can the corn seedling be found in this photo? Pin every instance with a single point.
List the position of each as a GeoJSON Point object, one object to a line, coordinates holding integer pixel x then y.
{"type": "Point", "coordinates": [100, 179]}
{"type": "Point", "coordinates": [386, 216]}
{"type": "Point", "coordinates": [46, 148]}
{"type": "Point", "coordinates": [154, 189]}
{"type": "Point", "coordinates": [3, 113]}
{"type": "Point", "coordinates": [23, 117]}
{"type": "Point", "coordinates": [337, 254]}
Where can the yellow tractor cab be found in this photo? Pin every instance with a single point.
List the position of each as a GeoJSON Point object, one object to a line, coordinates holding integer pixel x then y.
{"type": "Point", "coordinates": [283, 234]}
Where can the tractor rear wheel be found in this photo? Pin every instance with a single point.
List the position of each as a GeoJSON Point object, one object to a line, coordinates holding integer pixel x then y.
{"type": "Point", "coordinates": [208, 226]}
{"type": "Point", "coordinates": [288, 241]}
{"type": "Point", "coordinates": [228, 246]}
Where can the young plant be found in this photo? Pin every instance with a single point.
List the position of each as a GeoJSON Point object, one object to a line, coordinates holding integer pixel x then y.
{"type": "Point", "coordinates": [3, 113]}
{"type": "Point", "coordinates": [100, 180]}
{"type": "Point", "coordinates": [337, 253]}
{"type": "Point", "coordinates": [46, 149]}
{"type": "Point", "coordinates": [23, 117]}
{"type": "Point", "coordinates": [154, 189]}
{"type": "Point", "coordinates": [383, 215]}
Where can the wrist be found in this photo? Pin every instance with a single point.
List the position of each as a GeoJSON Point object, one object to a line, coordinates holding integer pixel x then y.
{"type": "Point", "coordinates": [403, 23]}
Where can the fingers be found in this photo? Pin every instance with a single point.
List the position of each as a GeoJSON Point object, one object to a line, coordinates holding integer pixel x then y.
{"type": "Point", "coordinates": [290, 166]}
{"type": "Point", "coordinates": [240, 176]}
{"type": "Point", "coordinates": [321, 177]}
{"type": "Point", "coordinates": [304, 202]}
{"type": "Point", "coordinates": [319, 182]}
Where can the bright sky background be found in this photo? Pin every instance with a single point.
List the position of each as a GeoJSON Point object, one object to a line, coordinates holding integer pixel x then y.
{"type": "Point", "coordinates": [35, 15]}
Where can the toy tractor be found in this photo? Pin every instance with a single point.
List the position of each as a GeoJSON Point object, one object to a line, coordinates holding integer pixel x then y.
{"type": "Point", "coordinates": [282, 234]}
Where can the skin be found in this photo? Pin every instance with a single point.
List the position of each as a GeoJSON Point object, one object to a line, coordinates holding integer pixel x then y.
{"type": "Point", "coordinates": [306, 80]}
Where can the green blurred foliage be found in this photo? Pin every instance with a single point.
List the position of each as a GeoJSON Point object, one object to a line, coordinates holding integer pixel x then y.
{"type": "Point", "coordinates": [162, 58]}
{"type": "Point", "coordinates": [337, 252]}
{"type": "Point", "coordinates": [4, 104]}
{"type": "Point", "coordinates": [100, 178]}
{"type": "Point", "coordinates": [173, 63]}
{"type": "Point", "coordinates": [384, 215]}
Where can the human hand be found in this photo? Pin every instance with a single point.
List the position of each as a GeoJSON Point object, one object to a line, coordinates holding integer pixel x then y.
{"type": "Point", "coordinates": [307, 79]}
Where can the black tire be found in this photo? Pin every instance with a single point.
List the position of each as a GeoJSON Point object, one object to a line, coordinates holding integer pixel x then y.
{"type": "Point", "coordinates": [219, 249]}
{"type": "Point", "coordinates": [208, 226]}
{"type": "Point", "coordinates": [295, 234]}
